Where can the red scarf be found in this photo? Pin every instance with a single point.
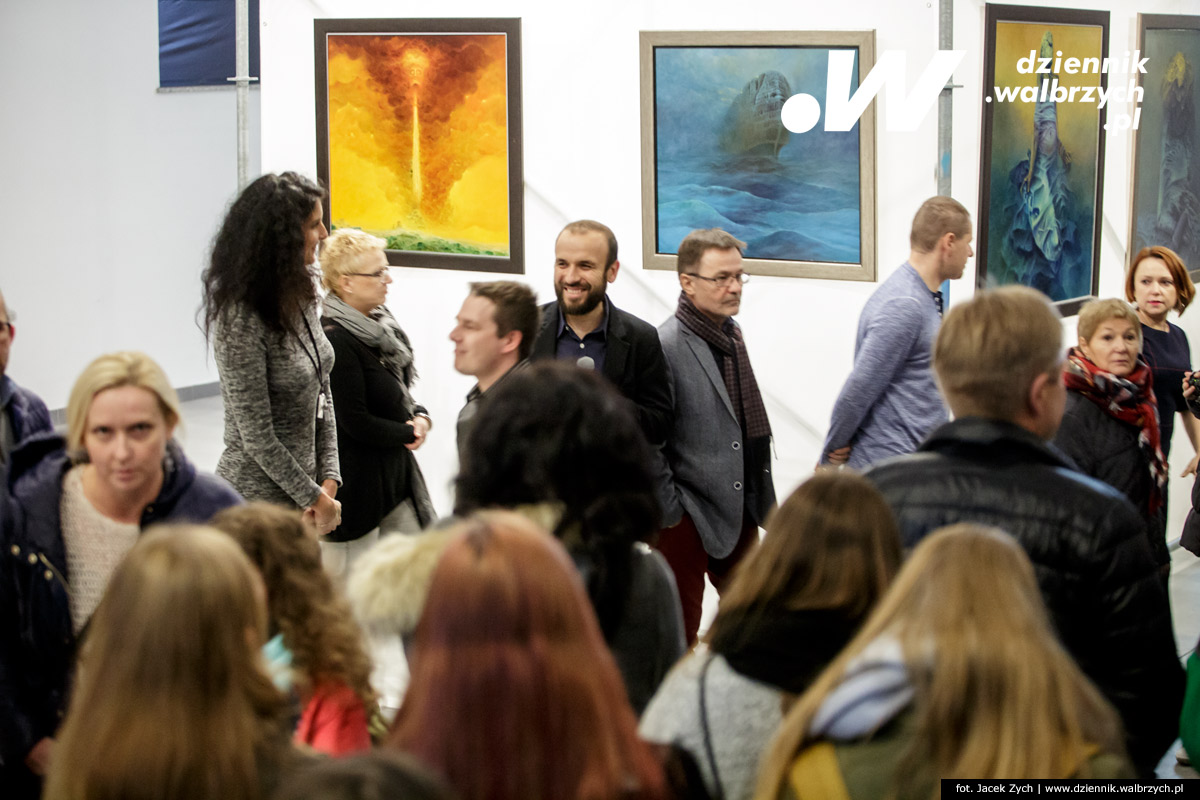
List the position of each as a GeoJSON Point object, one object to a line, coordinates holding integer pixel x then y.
{"type": "Point", "coordinates": [1130, 400]}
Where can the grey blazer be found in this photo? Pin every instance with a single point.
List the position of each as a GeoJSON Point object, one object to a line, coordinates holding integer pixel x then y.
{"type": "Point", "coordinates": [704, 451]}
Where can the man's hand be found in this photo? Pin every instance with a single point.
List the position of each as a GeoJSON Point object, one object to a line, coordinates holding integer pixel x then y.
{"type": "Point", "coordinates": [838, 457]}
{"type": "Point", "coordinates": [420, 426]}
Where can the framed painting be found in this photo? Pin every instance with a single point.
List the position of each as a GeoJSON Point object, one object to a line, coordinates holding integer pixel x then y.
{"type": "Point", "coordinates": [1041, 178]}
{"type": "Point", "coordinates": [715, 152]}
{"type": "Point", "coordinates": [1166, 147]}
{"type": "Point", "coordinates": [419, 137]}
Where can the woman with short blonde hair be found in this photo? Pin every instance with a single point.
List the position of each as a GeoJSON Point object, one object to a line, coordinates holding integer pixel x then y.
{"type": "Point", "coordinates": [1110, 427]}
{"type": "Point", "coordinates": [965, 678]}
{"type": "Point", "coordinates": [379, 423]}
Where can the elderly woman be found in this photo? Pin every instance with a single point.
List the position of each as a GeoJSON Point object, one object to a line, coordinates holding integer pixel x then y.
{"type": "Point", "coordinates": [75, 512]}
{"type": "Point", "coordinates": [1110, 426]}
{"type": "Point", "coordinates": [260, 309]}
{"type": "Point", "coordinates": [378, 422]}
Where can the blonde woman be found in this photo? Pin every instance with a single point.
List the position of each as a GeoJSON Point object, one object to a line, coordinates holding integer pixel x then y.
{"type": "Point", "coordinates": [379, 424]}
{"type": "Point", "coordinates": [171, 703]}
{"type": "Point", "coordinates": [956, 674]}
{"type": "Point", "coordinates": [319, 649]}
{"type": "Point", "coordinates": [77, 507]}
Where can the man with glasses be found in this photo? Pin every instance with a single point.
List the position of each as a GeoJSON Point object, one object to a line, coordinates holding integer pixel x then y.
{"type": "Point", "coordinates": [22, 413]}
{"type": "Point", "coordinates": [585, 328]}
{"type": "Point", "coordinates": [718, 451]}
{"type": "Point", "coordinates": [891, 402]}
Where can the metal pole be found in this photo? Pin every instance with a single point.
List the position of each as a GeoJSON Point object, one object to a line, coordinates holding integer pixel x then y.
{"type": "Point", "coordinates": [945, 113]}
{"type": "Point", "coordinates": [242, 79]}
{"type": "Point", "coordinates": [945, 100]}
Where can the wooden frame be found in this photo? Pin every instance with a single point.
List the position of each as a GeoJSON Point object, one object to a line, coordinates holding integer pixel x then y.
{"type": "Point", "coordinates": [805, 210]}
{"type": "Point", "coordinates": [1165, 206]}
{"type": "Point", "coordinates": [1040, 218]}
{"type": "Point", "coordinates": [419, 137]}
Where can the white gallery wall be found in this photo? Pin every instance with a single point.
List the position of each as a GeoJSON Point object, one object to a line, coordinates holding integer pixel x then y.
{"type": "Point", "coordinates": [109, 191]}
{"type": "Point", "coordinates": [112, 191]}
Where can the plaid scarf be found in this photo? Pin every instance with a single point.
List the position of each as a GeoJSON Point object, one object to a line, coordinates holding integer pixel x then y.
{"type": "Point", "coordinates": [736, 363]}
{"type": "Point", "coordinates": [1130, 400]}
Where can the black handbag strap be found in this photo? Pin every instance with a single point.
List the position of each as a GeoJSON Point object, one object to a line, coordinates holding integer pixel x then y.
{"type": "Point", "coordinates": [719, 789]}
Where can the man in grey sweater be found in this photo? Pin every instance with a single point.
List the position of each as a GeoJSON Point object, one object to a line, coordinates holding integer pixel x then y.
{"type": "Point", "coordinates": [891, 402]}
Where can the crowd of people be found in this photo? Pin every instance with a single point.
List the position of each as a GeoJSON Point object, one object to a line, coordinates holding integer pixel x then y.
{"type": "Point", "coordinates": [978, 598]}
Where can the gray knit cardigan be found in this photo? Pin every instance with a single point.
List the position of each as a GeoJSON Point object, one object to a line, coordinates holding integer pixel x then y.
{"type": "Point", "coordinates": [276, 449]}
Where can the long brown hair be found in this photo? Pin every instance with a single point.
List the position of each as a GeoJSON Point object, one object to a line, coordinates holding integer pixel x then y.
{"type": "Point", "coordinates": [514, 695]}
{"type": "Point", "coordinates": [833, 544]}
{"type": "Point", "coordinates": [314, 618]}
{"type": "Point", "coordinates": [995, 693]}
{"type": "Point", "coordinates": [171, 701]}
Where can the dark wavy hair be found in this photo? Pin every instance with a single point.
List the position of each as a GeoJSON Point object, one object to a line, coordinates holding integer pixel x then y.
{"type": "Point", "coordinates": [258, 255]}
{"type": "Point", "coordinates": [555, 433]}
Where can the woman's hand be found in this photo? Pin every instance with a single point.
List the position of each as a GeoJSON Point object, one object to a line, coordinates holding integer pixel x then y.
{"type": "Point", "coordinates": [1190, 469]}
{"type": "Point", "coordinates": [421, 426]}
{"type": "Point", "coordinates": [325, 514]}
{"type": "Point", "coordinates": [38, 757]}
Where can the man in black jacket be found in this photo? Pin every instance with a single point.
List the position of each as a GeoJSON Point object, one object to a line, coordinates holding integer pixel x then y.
{"type": "Point", "coordinates": [585, 327]}
{"type": "Point", "coordinates": [998, 359]}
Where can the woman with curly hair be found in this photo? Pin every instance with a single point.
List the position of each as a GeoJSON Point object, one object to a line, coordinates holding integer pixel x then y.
{"type": "Point", "coordinates": [315, 634]}
{"type": "Point", "coordinates": [171, 702]}
{"type": "Point", "coordinates": [514, 695]}
{"type": "Point", "coordinates": [260, 311]}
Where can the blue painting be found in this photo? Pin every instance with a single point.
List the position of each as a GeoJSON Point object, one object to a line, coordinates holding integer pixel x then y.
{"type": "Point", "coordinates": [1166, 207]}
{"type": "Point", "coordinates": [724, 160]}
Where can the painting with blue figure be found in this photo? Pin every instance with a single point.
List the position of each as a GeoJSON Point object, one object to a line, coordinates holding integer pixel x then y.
{"type": "Point", "coordinates": [1166, 205]}
{"type": "Point", "coordinates": [725, 160]}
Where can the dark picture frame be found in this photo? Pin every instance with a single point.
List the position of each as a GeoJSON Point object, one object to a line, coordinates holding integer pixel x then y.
{"type": "Point", "coordinates": [1041, 181]}
{"type": "Point", "coordinates": [1165, 204]}
{"type": "Point", "coordinates": [807, 209]}
{"type": "Point", "coordinates": [419, 137]}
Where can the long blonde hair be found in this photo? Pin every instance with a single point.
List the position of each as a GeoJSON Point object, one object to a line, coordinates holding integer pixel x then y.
{"type": "Point", "coordinates": [111, 371]}
{"type": "Point", "coordinates": [995, 694]}
{"type": "Point", "coordinates": [171, 702]}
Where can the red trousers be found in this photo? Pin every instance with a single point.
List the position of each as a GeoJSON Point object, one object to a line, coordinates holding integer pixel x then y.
{"type": "Point", "coordinates": [684, 552]}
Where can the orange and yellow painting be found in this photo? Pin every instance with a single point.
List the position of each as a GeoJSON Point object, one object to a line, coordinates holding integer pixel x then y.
{"type": "Point", "coordinates": [418, 140]}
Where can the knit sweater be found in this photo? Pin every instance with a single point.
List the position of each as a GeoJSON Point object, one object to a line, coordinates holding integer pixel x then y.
{"type": "Point", "coordinates": [276, 447]}
{"type": "Point", "coordinates": [890, 402]}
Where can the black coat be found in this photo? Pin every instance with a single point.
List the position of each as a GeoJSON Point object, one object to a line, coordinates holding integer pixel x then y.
{"type": "Point", "coordinates": [1089, 551]}
{"type": "Point", "coordinates": [633, 361]}
{"type": "Point", "coordinates": [378, 471]}
{"type": "Point", "coordinates": [1107, 449]}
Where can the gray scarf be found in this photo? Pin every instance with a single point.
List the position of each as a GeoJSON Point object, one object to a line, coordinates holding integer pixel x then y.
{"type": "Point", "coordinates": [381, 332]}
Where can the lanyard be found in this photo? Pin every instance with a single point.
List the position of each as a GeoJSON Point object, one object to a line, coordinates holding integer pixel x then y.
{"type": "Point", "coordinates": [317, 365]}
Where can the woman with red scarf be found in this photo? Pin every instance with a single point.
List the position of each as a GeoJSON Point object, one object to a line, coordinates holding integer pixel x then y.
{"type": "Point", "coordinates": [1110, 426]}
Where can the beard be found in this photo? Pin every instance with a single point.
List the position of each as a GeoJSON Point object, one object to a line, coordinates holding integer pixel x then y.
{"type": "Point", "coordinates": [585, 305]}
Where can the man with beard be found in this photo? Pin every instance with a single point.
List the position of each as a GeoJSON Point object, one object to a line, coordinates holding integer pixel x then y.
{"type": "Point", "coordinates": [584, 326]}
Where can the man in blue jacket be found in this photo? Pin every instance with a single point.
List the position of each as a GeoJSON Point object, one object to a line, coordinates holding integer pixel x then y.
{"type": "Point", "coordinates": [22, 413]}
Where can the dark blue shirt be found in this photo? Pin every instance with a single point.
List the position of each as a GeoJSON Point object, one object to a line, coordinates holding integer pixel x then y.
{"type": "Point", "coordinates": [593, 345]}
{"type": "Point", "coordinates": [1168, 356]}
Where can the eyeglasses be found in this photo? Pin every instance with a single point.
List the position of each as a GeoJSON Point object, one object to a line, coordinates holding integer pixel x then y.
{"type": "Point", "coordinates": [725, 281]}
{"type": "Point", "coordinates": [378, 275]}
